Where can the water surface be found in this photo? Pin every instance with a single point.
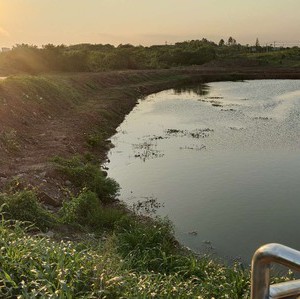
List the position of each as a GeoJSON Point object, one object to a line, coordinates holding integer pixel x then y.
{"type": "Point", "coordinates": [222, 158]}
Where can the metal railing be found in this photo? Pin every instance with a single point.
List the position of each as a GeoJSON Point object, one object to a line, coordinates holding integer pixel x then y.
{"type": "Point", "coordinates": [260, 272]}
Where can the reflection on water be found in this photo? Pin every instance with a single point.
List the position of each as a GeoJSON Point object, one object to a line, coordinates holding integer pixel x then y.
{"type": "Point", "coordinates": [223, 159]}
{"type": "Point", "coordinates": [198, 89]}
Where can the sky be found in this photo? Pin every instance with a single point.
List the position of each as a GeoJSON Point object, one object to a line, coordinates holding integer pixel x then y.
{"type": "Point", "coordinates": [147, 22]}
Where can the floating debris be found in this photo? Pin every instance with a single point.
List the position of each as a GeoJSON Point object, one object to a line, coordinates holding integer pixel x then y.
{"type": "Point", "coordinates": [193, 233]}
{"type": "Point", "coordinates": [158, 138]}
{"type": "Point", "coordinates": [213, 101]}
{"type": "Point", "coordinates": [148, 206]}
{"type": "Point", "coordinates": [237, 128]}
{"type": "Point", "coordinates": [216, 105]}
{"type": "Point", "coordinates": [207, 242]}
{"type": "Point", "coordinates": [198, 133]}
{"type": "Point", "coordinates": [196, 147]}
{"type": "Point", "coordinates": [214, 98]}
{"type": "Point", "coordinates": [146, 151]}
{"type": "Point", "coordinates": [228, 109]}
{"type": "Point", "coordinates": [174, 131]}
{"type": "Point", "coordinates": [262, 118]}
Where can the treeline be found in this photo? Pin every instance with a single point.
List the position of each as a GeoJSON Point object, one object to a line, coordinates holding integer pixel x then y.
{"type": "Point", "coordinates": [88, 57]}
{"type": "Point", "coordinates": [99, 57]}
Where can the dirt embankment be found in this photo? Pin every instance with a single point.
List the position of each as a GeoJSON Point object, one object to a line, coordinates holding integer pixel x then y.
{"type": "Point", "coordinates": [68, 114]}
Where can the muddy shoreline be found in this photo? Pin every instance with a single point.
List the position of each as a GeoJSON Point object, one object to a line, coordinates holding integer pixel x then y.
{"type": "Point", "coordinates": [37, 123]}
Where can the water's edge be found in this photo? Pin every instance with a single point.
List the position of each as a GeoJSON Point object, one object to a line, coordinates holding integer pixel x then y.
{"type": "Point", "coordinates": [236, 131]}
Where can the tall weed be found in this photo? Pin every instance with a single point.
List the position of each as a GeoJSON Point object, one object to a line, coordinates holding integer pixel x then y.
{"type": "Point", "coordinates": [86, 175]}
{"type": "Point", "coordinates": [87, 210]}
{"type": "Point", "coordinates": [24, 206]}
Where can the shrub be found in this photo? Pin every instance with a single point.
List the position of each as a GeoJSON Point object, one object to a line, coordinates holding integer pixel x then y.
{"type": "Point", "coordinates": [147, 244]}
{"type": "Point", "coordinates": [86, 175]}
{"type": "Point", "coordinates": [95, 140]}
{"type": "Point", "coordinates": [87, 210]}
{"type": "Point", "coordinates": [81, 209]}
{"type": "Point", "coordinates": [24, 206]}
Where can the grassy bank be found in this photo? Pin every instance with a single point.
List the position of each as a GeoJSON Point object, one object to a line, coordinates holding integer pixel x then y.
{"type": "Point", "coordinates": [63, 233]}
{"type": "Point", "coordinates": [137, 262]}
{"type": "Point", "coordinates": [94, 248]}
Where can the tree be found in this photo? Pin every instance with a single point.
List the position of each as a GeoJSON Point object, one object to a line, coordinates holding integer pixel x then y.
{"type": "Point", "coordinates": [257, 45]}
{"type": "Point", "coordinates": [231, 41]}
{"type": "Point", "coordinates": [221, 42]}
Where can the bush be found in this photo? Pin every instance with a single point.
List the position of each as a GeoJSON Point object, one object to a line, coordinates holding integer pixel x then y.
{"type": "Point", "coordinates": [86, 175]}
{"type": "Point", "coordinates": [24, 206]}
{"type": "Point", "coordinates": [81, 209]}
{"type": "Point", "coordinates": [147, 244]}
{"type": "Point", "coordinates": [95, 140]}
{"type": "Point", "coordinates": [87, 210]}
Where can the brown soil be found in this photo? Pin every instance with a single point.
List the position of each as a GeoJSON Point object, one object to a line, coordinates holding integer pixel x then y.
{"type": "Point", "coordinates": [32, 131]}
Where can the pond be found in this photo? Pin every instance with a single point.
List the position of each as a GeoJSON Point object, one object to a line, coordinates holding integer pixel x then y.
{"type": "Point", "coordinates": [220, 160]}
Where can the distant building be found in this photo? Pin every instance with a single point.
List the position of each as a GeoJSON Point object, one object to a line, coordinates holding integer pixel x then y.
{"type": "Point", "coordinates": [4, 49]}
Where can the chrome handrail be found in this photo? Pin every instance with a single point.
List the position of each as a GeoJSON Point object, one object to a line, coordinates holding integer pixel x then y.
{"type": "Point", "coordinates": [260, 272]}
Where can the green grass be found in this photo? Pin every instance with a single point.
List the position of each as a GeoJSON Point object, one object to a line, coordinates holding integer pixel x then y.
{"type": "Point", "coordinates": [86, 210]}
{"type": "Point", "coordinates": [287, 58]}
{"type": "Point", "coordinates": [138, 258]}
{"type": "Point", "coordinates": [24, 206]}
{"type": "Point", "coordinates": [129, 256]}
{"type": "Point", "coordinates": [43, 89]}
{"type": "Point", "coordinates": [134, 258]}
{"type": "Point", "coordinates": [33, 267]}
{"type": "Point", "coordinates": [95, 140]}
{"type": "Point", "coordinates": [84, 174]}
{"type": "Point", "coordinates": [9, 140]}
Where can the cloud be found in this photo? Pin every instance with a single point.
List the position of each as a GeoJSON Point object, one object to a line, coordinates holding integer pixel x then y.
{"type": "Point", "coordinates": [3, 32]}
